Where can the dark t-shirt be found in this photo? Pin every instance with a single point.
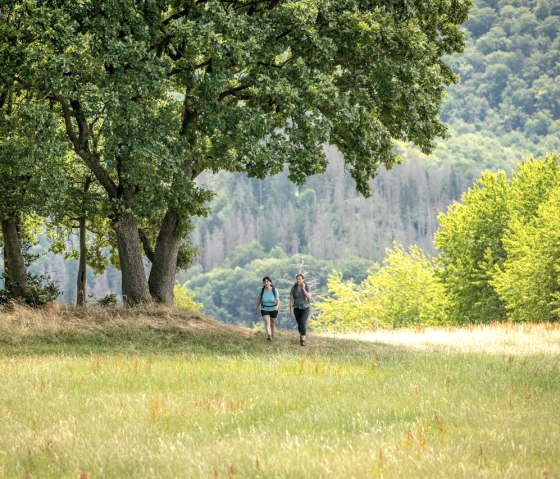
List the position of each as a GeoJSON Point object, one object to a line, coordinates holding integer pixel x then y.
{"type": "Point", "coordinates": [300, 300]}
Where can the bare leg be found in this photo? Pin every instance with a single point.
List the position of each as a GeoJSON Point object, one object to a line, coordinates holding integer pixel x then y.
{"type": "Point", "coordinates": [267, 326]}
{"type": "Point", "coordinates": [272, 326]}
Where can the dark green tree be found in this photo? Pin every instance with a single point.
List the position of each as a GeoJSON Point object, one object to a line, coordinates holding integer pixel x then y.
{"type": "Point", "coordinates": [154, 93]}
{"type": "Point", "coordinates": [31, 161]}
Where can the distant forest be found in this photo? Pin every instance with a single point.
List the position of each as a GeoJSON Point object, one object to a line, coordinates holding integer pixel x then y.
{"type": "Point", "coordinates": [505, 107]}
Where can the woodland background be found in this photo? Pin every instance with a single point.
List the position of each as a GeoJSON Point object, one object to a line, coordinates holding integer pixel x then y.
{"type": "Point", "coordinates": [505, 108]}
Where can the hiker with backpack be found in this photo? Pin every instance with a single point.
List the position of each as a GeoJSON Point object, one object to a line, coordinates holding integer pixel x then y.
{"type": "Point", "coordinates": [268, 303]}
{"type": "Point", "coordinates": [299, 306]}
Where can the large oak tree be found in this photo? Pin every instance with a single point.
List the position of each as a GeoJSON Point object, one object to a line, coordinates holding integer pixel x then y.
{"type": "Point", "coordinates": [153, 93]}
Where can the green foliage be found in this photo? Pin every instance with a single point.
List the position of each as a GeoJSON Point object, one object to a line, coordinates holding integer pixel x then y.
{"type": "Point", "coordinates": [347, 307]}
{"type": "Point", "coordinates": [183, 298]}
{"type": "Point", "coordinates": [406, 290]}
{"type": "Point", "coordinates": [532, 184]}
{"type": "Point", "coordinates": [110, 299]}
{"type": "Point", "coordinates": [278, 84]}
{"type": "Point", "coordinates": [31, 141]}
{"type": "Point", "coordinates": [403, 292]}
{"type": "Point", "coordinates": [509, 70]}
{"type": "Point", "coordinates": [470, 245]}
{"type": "Point", "coordinates": [498, 248]}
{"type": "Point", "coordinates": [42, 288]}
{"type": "Point", "coordinates": [528, 281]}
{"type": "Point", "coordinates": [244, 254]}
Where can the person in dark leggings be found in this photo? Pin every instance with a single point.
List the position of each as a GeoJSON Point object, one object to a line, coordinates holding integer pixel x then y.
{"type": "Point", "coordinates": [299, 306]}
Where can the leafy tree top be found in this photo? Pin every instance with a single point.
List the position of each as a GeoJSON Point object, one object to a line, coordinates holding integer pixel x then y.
{"type": "Point", "coordinates": [163, 90]}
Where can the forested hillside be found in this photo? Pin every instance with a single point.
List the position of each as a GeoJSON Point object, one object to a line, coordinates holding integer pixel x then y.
{"type": "Point", "coordinates": [509, 72]}
{"type": "Point", "coordinates": [327, 218]}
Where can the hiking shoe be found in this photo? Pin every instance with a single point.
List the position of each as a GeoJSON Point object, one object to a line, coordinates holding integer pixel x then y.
{"type": "Point", "coordinates": [269, 338]}
{"type": "Point", "coordinates": [302, 342]}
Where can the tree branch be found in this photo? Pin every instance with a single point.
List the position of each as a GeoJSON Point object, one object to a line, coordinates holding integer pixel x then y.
{"type": "Point", "coordinates": [232, 91]}
{"type": "Point", "coordinates": [81, 148]}
{"type": "Point", "coordinates": [176, 16]}
{"type": "Point", "coordinates": [148, 250]}
{"type": "Point", "coordinates": [253, 7]}
{"type": "Point", "coordinates": [181, 13]}
{"type": "Point", "coordinates": [189, 114]}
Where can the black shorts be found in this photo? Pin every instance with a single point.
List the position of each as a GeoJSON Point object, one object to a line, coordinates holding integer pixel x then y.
{"type": "Point", "coordinates": [272, 314]}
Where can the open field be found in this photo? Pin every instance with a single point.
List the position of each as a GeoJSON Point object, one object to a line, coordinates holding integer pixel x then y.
{"type": "Point", "coordinates": [164, 394]}
{"type": "Point", "coordinates": [514, 339]}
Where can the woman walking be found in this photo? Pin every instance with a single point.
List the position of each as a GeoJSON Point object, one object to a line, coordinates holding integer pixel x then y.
{"type": "Point", "coordinates": [299, 306]}
{"type": "Point", "coordinates": [268, 303]}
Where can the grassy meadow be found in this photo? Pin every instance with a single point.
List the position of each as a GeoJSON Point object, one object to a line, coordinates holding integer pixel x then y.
{"type": "Point", "coordinates": [160, 393]}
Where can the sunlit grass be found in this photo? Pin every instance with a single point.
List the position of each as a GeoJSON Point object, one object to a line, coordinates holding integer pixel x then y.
{"type": "Point", "coordinates": [497, 338]}
{"type": "Point", "coordinates": [167, 397]}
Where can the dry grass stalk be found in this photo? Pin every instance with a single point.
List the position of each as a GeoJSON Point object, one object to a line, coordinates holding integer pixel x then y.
{"type": "Point", "coordinates": [19, 321]}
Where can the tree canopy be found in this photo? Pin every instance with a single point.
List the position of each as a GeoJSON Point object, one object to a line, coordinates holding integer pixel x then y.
{"type": "Point", "coordinates": [405, 201]}
{"type": "Point", "coordinates": [153, 93]}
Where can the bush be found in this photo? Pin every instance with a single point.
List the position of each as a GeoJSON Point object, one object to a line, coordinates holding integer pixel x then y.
{"type": "Point", "coordinates": [183, 298]}
{"type": "Point", "coordinates": [110, 299]}
{"type": "Point", "coordinates": [42, 290]}
{"type": "Point", "coordinates": [404, 291]}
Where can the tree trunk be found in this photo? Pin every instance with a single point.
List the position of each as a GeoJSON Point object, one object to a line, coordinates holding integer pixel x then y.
{"type": "Point", "coordinates": [164, 265]}
{"type": "Point", "coordinates": [81, 279]}
{"type": "Point", "coordinates": [7, 286]}
{"type": "Point", "coordinates": [134, 283]}
{"type": "Point", "coordinates": [16, 274]}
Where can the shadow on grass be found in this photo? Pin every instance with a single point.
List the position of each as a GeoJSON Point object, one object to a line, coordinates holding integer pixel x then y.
{"type": "Point", "coordinates": [162, 331]}
{"type": "Point", "coordinates": [157, 342]}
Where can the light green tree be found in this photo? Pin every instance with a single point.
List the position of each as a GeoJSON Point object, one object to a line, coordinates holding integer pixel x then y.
{"type": "Point", "coordinates": [403, 292]}
{"type": "Point", "coordinates": [183, 298]}
{"type": "Point", "coordinates": [407, 291]}
{"type": "Point", "coordinates": [532, 184]}
{"type": "Point", "coordinates": [345, 307]}
{"type": "Point", "coordinates": [478, 236]}
{"type": "Point", "coordinates": [470, 244]}
{"type": "Point", "coordinates": [529, 279]}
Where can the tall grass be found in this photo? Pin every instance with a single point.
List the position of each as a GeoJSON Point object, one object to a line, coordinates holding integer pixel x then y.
{"type": "Point", "coordinates": [163, 394]}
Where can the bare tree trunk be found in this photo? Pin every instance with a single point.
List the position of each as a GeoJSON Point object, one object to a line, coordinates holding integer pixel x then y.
{"type": "Point", "coordinates": [134, 283]}
{"type": "Point", "coordinates": [164, 264]}
{"type": "Point", "coordinates": [16, 273]}
{"type": "Point", "coordinates": [81, 279]}
{"type": "Point", "coordinates": [7, 283]}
